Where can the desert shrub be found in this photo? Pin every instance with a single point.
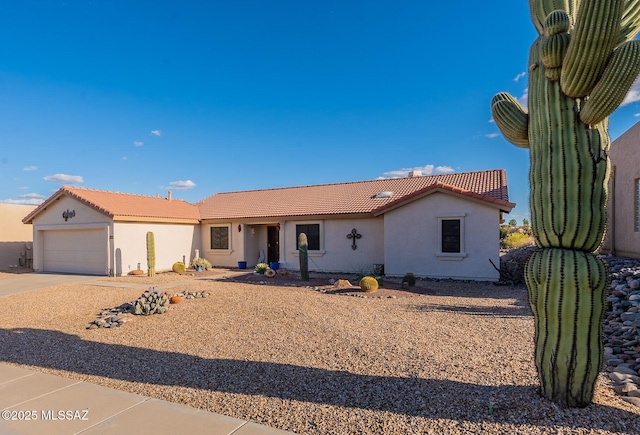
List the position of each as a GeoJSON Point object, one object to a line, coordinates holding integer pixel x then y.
{"type": "Point", "coordinates": [410, 279]}
{"type": "Point", "coordinates": [200, 262]}
{"type": "Point", "coordinates": [517, 240]}
{"type": "Point", "coordinates": [261, 268]}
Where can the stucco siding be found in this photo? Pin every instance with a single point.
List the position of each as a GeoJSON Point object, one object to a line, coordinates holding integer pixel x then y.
{"type": "Point", "coordinates": [412, 239]}
{"type": "Point", "coordinates": [52, 219]}
{"type": "Point", "coordinates": [622, 237]}
{"type": "Point", "coordinates": [15, 237]}
{"type": "Point", "coordinates": [336, 254]}
{"type": "Point", "coordinates": [52, 215]}
{"type": "Point", "coordinates": [224, 257]}
{"type": "Point", "coordinates": [173, 242]}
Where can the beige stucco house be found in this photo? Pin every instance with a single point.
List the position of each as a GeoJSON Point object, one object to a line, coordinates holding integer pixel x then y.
{"type": "Point", "coordinates": [623, 208]}
{"type": "Point", "coordinates": [443, 226]}
{"type": "Point", "coordinates": [104, 233]}
{"type": "Point", "coordinates": [15, 237]}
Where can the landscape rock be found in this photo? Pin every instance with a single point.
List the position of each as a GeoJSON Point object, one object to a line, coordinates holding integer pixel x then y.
{"type": "Point", "coordinates": [621, 327]}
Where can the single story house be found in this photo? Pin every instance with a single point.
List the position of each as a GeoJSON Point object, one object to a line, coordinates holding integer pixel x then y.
{"type": "Point", "coordinates": [444, 226]}
{"type": "Point", "coordinates": [95, 232]}
{"type": "Point", "coordinates": [623, 207]}
{"type": "Point", "coordinates": [15, 237]}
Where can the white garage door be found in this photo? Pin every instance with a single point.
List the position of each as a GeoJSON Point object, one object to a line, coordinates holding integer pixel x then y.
{"type": "Point", "coordinates": [81, 251]}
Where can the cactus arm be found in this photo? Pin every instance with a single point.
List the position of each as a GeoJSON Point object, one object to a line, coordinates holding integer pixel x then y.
{"type": "Point", "coordinates": [630, 24]}
{"type": "Point", "coordinates": [541, 8]}
{"type": "Point", "coordinates": [622, 70]}
{"type": "Point", "coordinates": [595, 36]}
{"type": "Point", "coordinates": [511, 119]}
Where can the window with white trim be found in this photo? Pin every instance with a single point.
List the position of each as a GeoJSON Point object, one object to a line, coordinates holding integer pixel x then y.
{"type": "Point", "coordinates": [312, 231]}
{"type": "Point", "coordinates": [451, 236]}
{"type": "Point", "coordinates": [220, 237]}
{"type": "Point", "coordinates": [450, 239]}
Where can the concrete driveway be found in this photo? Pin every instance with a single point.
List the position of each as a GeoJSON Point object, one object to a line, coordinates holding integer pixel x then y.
{"type": "Point", "coordinates": [24, 282]}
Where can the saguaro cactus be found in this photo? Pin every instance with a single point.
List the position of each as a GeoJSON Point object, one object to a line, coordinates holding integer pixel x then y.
{"type": "Point", "coordinates": [580, 68]}
{"type": "Point", "coordinates": [303, 251]}
{"type": "Point", "coordinates": [151, 254]}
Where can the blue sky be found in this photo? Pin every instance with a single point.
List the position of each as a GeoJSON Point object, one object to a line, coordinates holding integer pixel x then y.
{"type": "Point", "coordinates": [200, 97]}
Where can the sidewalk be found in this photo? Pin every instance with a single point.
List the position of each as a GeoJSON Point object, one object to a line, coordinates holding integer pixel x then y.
{"type": "Point", "coordinates": [34, 403]}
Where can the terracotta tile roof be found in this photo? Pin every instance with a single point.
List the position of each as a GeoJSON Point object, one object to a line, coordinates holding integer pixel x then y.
{"type": "Point", "coordinates": [354, 197]}
{"type": "Point", "coordinates": [123, 206]}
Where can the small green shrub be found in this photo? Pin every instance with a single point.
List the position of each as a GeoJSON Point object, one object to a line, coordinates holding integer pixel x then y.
{"type": "Point", "coordinates": [261, 268]}
{"type": "Point", "coordinates": [517, 240]}
{"type": "Point", "coordinates": [200, 262]}
{"type": "Point", "coordinates": [410, 279]}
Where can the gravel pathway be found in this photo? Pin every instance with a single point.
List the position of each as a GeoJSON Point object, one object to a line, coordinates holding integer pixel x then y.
{"type": "Point", "coordinates": [456, 361]}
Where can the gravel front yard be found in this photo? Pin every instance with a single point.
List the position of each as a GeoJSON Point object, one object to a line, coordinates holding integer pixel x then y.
{"type": "Point", "coordinates": [458, 360]}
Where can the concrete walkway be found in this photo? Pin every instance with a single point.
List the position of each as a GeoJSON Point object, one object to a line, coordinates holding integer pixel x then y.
{"type": "Point", "coordinates": [24, 282]}
{"type": "Point", "coordinates": [37, 403]}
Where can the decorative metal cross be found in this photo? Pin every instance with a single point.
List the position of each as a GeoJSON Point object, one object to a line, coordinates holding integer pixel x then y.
{"type": "Point", "coordinates": [353, 236]}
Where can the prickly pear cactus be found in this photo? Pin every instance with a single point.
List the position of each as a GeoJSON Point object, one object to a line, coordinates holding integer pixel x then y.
{"type": "Point", "coordinates": [151, 254]}
{"type": "Point", "coordinates": [153, 301]}
{"type": "Point", "coordinates": [303, 251]}
{"type": "Point", "coordinates": [580, 68]}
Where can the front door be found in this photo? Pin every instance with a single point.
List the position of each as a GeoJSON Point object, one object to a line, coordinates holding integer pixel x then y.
{"type": "Point", "coordinates": [273, 244]}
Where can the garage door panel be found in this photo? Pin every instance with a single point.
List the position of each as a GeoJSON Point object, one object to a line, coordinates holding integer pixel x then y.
{"type": "Point", "coordinates": [75, 251]}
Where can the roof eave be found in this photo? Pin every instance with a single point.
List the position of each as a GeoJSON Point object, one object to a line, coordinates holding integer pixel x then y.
{"type": "Point", "coordinates": [173, 220]}
{"type": "Point", "coordinates": [500, 204]}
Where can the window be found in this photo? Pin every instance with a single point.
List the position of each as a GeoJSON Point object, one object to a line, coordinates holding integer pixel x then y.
{"type": "Point", "coordinates": [451, 235]}
{"type": "Point", "coordinates": [451, 244]}
{"type": "Point", "coordinates": [219, 237]}
{"type": "Point", "coordinates": [637, 208]}
{"type": "Point", "coordinates": [313, 235]}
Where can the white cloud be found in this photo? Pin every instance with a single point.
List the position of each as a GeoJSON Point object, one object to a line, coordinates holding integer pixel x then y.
{"type": "Point", "coordinates": [124, 158]}
{"type": "Point", "coordinates": [492, 135]}
{"type": "Point", "coordinates": [524, 100]}
{"type": "Point", "coordinates": [138, 143]}
{"type": "Point", "coordinates": [492, 121]}
{"type": "Point", "coordinates": [32, 195]}
{"type": "Point", "coordinates": [519, 76]}
{"type": "Point", "coordinates": [426, 170]}
{"type": "Point", "coordinates": [30, 168]}
{"type": "Point", "coordinates": [156, 133]}
{"type": "Point", "coordinates": [444, 169]}
{"type": "Point", "coordinates": [31, 201]}
{"type": "Point", "coordinates": [633, 96]}
{"type": "Point", "coordinates": [181, 185]}
{"type": "Point", "coordinates": [64, 179]}
{"type": "Point", "coordinates": [636, 114]}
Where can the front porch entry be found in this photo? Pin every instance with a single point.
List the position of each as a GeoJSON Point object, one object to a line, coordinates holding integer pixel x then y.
{"type": "Point", "coordinates": [273, 244]}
